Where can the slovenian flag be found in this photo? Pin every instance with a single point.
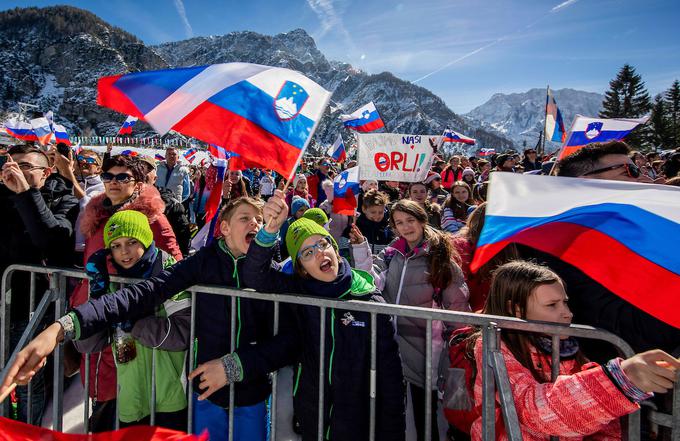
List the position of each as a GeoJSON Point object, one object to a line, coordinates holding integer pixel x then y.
{"type": "Point", "coordinates": [451, 136]}
{"type": "Point", "coordinates": [586, 130]}
{"type": "Point", "coordinates": [265, 114]}
{"type": "Point", "coordinates": [126, 128]}
{"type": "Point", "coordinates": [217, 152]}
{"type": "Point", "coordinates": [60, 134]}
{"type": "Point", "coordinates": [554, 124]}
{"type": "Point", "coordinates": [41, 128]}
{"type": "Point", "coordinates": [131, 153]}
{"type": "Point", "coordinates": [20, 130]}
{"type": "Point", "coordinates": [487, 152]}
{"type": "Point", "coordinates": [366, 119]}
{"type": "Point", "coordinates": [337, 151]}
{"type": "Point", "coordinates": [346, 187]}
{"type": "Point", "coordinates": [159, 157]}
{"type": "Point", "coordinates": [190, 155]}
{"type": "Point", "coordinates": [604, 228]}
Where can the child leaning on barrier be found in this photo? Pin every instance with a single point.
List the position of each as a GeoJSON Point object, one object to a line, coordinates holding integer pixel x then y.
{"type": "Point", "coordinates": [219, 263]}
{"type": "Point", "coordinates": [130, 252]}
{"type": "Point", "coordinates": [586, 399]}
{"type": "Point", "coordinates": [320, 272]}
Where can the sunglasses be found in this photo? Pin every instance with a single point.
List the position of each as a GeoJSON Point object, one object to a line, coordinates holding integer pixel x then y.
{"type": "Point", "coordinates": [87, 159]}
{"type": "Point", "coordinates": [631, 169]}
{"type": "Point", "coordinates": [123, 178]}
{"type": "Point", "coordinates": [307, 253]}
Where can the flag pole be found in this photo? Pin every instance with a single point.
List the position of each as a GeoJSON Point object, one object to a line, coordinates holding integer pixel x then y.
{"type": "Point", "coordinates": [559, 153]}
{"type": "Point", "coordinates": [545, 120]}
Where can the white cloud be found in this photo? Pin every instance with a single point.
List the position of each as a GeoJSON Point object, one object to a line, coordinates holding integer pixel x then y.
{"type": "Point", "coordinates": [179, 5]}
{"type": "Point", "coordinates": [331, 20]}
{"type": "Point", "coordinates": [563, 5]}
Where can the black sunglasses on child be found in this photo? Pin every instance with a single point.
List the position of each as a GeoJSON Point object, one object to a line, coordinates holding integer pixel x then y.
{"type": "Point", "coordinates": [123, 178]}
{"type": "Point", "coordinates": [631, 169]}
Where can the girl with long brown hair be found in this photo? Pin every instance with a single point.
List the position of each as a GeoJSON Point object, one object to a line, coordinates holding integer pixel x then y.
{"type": "Point", "coordinates": [586, 399]}
{"type": "Point", "coordinates": [459, 204]}
{"type": "Point", "coordinates": [419, 268]}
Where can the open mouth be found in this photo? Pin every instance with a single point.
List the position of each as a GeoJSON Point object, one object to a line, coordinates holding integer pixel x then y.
{"type": "Point", "coordinates": [250, 236]}
{"type": "Point", "coordinates": [325, 266]}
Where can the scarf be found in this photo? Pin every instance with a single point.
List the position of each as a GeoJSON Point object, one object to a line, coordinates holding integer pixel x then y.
{"type": "Point", "coordinates": [148, 266]}
{"type": "Point", "coordinates": [568, 347]}
{"type": "Point", "coordinates": [335, 289]}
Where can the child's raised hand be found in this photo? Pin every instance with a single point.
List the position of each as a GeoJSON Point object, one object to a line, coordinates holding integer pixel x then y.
{"type": "Point", "coordinates": [355, 236]}
{"type": "Point", "coordinates": [275, 212]}
{"type": "Point", "coordinates": [213, 377]}
{"type": "Point", "coordinates": [651, 371]}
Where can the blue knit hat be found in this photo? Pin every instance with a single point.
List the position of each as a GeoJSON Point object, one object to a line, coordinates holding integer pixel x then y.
{"type": "Point", "coordinates": [298, 203]}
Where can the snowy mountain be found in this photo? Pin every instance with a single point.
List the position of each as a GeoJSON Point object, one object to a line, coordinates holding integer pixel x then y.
{"type": "Point", "coordinates": [52, 57]}
{"type": "Point", "coordinates": [520, 116]}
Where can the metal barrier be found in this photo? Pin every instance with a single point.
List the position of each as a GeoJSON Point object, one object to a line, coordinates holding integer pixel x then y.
{"type": "Point", "coordinates": [494, 373]}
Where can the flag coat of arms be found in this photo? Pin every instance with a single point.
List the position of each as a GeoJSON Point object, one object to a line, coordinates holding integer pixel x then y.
{"type": "Point", "coordinates": [265, 114]}
{"type": "Point", "coordinates": [346, 187]}
{"type": "Point", "coordinates": [586, 130]}
{"type": "Point", "coordinates": [604, 228]}
{"type": "Point", "coordinates": [365, 119]}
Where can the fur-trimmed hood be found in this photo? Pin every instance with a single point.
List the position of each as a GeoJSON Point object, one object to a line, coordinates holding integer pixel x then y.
{"type": "Point", "coordinates": [148, 202]}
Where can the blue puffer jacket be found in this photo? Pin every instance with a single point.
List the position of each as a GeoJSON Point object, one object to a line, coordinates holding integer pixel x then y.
{"type": "Point", "coordinates": [348, 353]}
{"type": "Point", "coordinates": [211, 265]}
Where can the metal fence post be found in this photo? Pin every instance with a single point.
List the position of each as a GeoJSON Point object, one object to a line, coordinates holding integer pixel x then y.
{"type": "Point", "coordinates": [504, 390]}
{"type": "Point", "coordinates": [58, 287]}
{"type": "Point", "coordinates": [275, 377]}
{"type": "Point", "coordinates": [488, 387]}
{"type": "Point", "coordinates": [373, 375]}
{"type": "Point", "coordinates": [232, 387]}
{"type": "Point", "coordinates": [190, 384]}
{"type": "Point", "coordinates": [322, 369]}
{"type": "Point", "coordinates": [428, 380]}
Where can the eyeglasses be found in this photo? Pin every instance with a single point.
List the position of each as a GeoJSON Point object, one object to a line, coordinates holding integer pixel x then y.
{"type": "Point", "coordinates": [123, 178]}
{"type": "Point", "coordinates": [631, 169]}
{"type": "Point", "coordinates": [307, 253]}
{"type": "Point", "coordinates": [87, 159]}
{"type": "Point", "coordinates": [27, 166]}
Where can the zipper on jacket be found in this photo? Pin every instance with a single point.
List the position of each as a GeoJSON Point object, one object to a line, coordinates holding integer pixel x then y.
{"type": "Point", "coordinates": [401, 285]}
{"type": "Point", "coordinates": [297, 379]}
{"type": "Point", "coordinates": [238, 299]}
{"type": "Point", "coordinates": [328, 426]}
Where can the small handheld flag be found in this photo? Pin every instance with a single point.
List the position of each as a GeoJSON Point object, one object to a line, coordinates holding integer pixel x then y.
{"type": "Point", "coordinates": [61, 135]}
{"type": "Point", "coordinates": [365, 119]}
{"type": "Point", "coordinates": [190, 155]}
{"type": "Point", "coordinates": [42, 130]}
{"type": "Point", "coordinates": [451, 136]}
{"type": "Point", "coordinates": [126, 128]}
{"type": "Point", "coordinates": [346, 187]}
{"type": "Point", "coordinates": [159, 157]}
{"type": "Point", "coordinates": [337, 150]}
{"type": "Point", "coordinates": [20, 130]}
{"type": "Point", "coordinates": [554, 125]}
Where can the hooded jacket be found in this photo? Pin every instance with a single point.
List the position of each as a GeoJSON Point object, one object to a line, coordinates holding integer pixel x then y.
{"type": "Point", "coordinates": [403, 277]}
{"type": "Point", "coordinates": [348, 353]}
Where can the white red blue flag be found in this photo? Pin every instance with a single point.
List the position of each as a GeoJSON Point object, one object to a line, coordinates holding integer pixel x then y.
{"type": "Point", "coordinates": [41, 128]}
{"type": "Point", "coordinates": [265, 114]}
{"type": "Point", "coordinates": [159, 157]}
{"type": "Point", "coordinates": [346, 188]}
{"type": "Point", "coordinates": [604, 228]}
{"type": "Point", "coordinates": [487, 152]}
{"type": "Point", "coordinates": [126, 128]}
{"type": "Point", "coordinates": [60, 134]}
{"type": "Point", "coordinates": [190, 155]}
{"type": "Point", "coordinates": [451, 136]}
{"type": "Point", "coordinates": [337, 150]}
{"type": "Point", "coordinates": [20, 130]}
{"type": "Point", "coordinates": [365, 119]}
{"type": "Point", "coordinates": [554, 124]}
{"type": "Point", "coordinates": [586, 130]}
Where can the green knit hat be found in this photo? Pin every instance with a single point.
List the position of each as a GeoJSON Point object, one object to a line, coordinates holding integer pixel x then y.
{"type": "Point", "coordinates": [317, 215]}
{"type": "Point", "coordinates": [128, 223]}
{"type": "Point", "coordinates": [299, 231]}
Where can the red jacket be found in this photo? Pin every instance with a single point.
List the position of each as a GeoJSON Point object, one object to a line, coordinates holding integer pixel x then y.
{"type": "Point", "coordinates": [582, 403]}
{"type": "Point", "coordinates": [450, 176]}
{"type": "Point", "coordinates": [478, 287]}
{"type": "Point", "coordinates": [149, 202]}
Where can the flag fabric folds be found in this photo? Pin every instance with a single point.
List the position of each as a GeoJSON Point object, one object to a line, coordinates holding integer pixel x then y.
{"type": "Point", "coordinates": [554, 124]}
{"type": "Point", "coordinates": [487, 152]}
{"type": "Point", "coordinates": [451, 136]}
{"type": "Point", "coordinates": [586, 130]}
{"type": "Point", "coordinates": [265, 114]}
{"type": "Point", "coordinates": [190, 155]}
{"type": "Point", "coordinates": [604, 228]}
{"type": "Point", "coordinates": [60, 134]}
{"type": "Point", "coordinates": [41, 128]}
{"type": "Point", "coordinates": [365, 119]}
{"type": "Point", "coordinates": [15, 430]}
{"type": "Point", "coordinates": [20, 130]}
{"type": "Point", "coordinates": [126, 128]}
{"type": "Point", "coordinates": [159, 157]}
{"type": "Point", "coordinates": [337, 150]}
{"type": "Point", "coordinates": [346, 187]}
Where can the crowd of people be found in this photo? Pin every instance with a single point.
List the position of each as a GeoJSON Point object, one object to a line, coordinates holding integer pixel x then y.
{"type": "Point", "coordinates": [408, 244]}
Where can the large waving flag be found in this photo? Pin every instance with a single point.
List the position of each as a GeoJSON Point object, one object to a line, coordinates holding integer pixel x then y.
{"type": "Point", "coordinates": [265, 114]}
{"type": "Point", "coordinates": [60, 134]}
{"type": "Point", "coordinates": [586, 130]}
{"type": "Point", "coordinates": [554, 124]}
{"type": "Point", "coordinates": [604, 228]}
{"type": "Point", "coordinates": [451, 136]}
{"type": "Point", "coordinates": [42, 129]}
{"type": "Point", "coordinates": [337, 150]}
{"type": "Point", "coordinates": [126, 128]}
{"type": "Point", "coordinates": [365, 119]}
{"type": "Point", "coordinates": [20, 130]}
{"type": "Point", "coordinates": [346, 187]}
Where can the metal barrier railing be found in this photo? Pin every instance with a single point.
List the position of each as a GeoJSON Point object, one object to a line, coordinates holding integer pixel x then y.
{"type": "Point", "coordinates": [494, 373]}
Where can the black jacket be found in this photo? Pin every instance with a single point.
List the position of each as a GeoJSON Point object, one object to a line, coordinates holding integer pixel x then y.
{"type": "Point", "coordinates": [594, 305]}
{"type": "Point", "coordinates": [347, 365]}
{"type": "Point", "coordinates": [211, 265]}
{"type": "Point", "coordinates": [37, 226]}
{"type": "Point", "coordinates": [178, 219]}
{"type": "Point", "coordinates": [376, 233]}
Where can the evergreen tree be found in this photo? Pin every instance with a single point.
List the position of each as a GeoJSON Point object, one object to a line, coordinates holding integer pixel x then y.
{"type": "Point", "coordinates": [628, 98]}
{"type": "Point", "coordinates": [660, 124]}
{"type": "Point", "coordinates": [672, 105]}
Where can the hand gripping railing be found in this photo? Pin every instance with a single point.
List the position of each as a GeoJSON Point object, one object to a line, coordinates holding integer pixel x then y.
{"type": "Point", "coordinates": [494, 373]}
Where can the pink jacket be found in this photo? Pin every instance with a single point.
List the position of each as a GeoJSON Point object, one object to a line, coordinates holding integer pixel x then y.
{"type": "Point", "coordinates": [582, 403]}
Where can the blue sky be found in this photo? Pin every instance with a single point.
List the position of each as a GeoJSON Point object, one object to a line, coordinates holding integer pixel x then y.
{"type": "Point", "coordinates": [462, 50]}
